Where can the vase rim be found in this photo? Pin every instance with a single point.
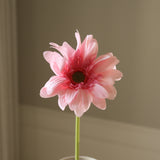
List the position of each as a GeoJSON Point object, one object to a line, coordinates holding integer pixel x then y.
{"type": "Point", "coordinates": [82, 158]}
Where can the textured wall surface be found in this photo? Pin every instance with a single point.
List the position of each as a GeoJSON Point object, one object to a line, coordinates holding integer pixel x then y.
{"type": "Point", "coordinates": [130, 29]}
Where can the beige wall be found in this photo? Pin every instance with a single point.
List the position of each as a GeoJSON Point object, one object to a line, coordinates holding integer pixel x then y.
{"type": "Point", "coordinates": [130, 29]}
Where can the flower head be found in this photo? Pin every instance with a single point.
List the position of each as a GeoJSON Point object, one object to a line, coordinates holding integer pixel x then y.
{"type": "Point", "coordinates": [80, 78]}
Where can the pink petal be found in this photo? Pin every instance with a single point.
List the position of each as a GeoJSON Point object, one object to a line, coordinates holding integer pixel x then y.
{"type": "Point", "coordinates": [55, 60]}
{"type": "Point", "coordinates": [76, 101]}
{"type": "Point", "coordinates": [114, 74]}
{"type": "Point", "coordinates": [78, 38]}
{"type": "Point", "coordinates": [66, 50]}
{"type": "Point", "coordinates": [103, 57]}
{"type": "Point", "coordinates": [86, 98]}
{"type": "Point", "coordinates": [112, 92]}
{"type": "Point", "coordinates": [81, 102]}
{"type": "Point", "coordinates": [79, 111]}
{"type": "Point", "coordinates": [61, 101]}
{"type": "Point", "coordinates": [78, 60]}
{"type": "Point", "coordinates": [106, 80]}
{"type": "Point", "coordinates": [99, 91]}
{"type": "Point", "coordinates": [99, 103]}
{"type": "Point", "coordinates": [69, 95]}
{"type": "Point", "coordinates": [52, 87]}
{"type": "Point", "coordinates": [90, 47]}
{"type": "Point", "coordinates": [43, 93]}
{"type": "Point", "coordinates": [105, 63]}
{"type": "Point", "coordinates": [73, 104]}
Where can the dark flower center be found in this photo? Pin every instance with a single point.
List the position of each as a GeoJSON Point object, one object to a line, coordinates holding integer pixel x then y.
{"type": "Point", "coordinates": [78, 77]}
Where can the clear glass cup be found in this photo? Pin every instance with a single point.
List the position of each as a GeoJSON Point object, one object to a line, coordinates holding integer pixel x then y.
{"type": "Point", "coordinates": [80, 158]}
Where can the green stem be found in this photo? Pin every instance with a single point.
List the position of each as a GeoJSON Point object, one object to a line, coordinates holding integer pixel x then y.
{"type": "Point", "coordinates": [77, 137]}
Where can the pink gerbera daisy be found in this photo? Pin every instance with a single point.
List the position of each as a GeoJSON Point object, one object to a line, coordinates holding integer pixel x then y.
{"type": "Point", "coordinates": [80, 78]}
